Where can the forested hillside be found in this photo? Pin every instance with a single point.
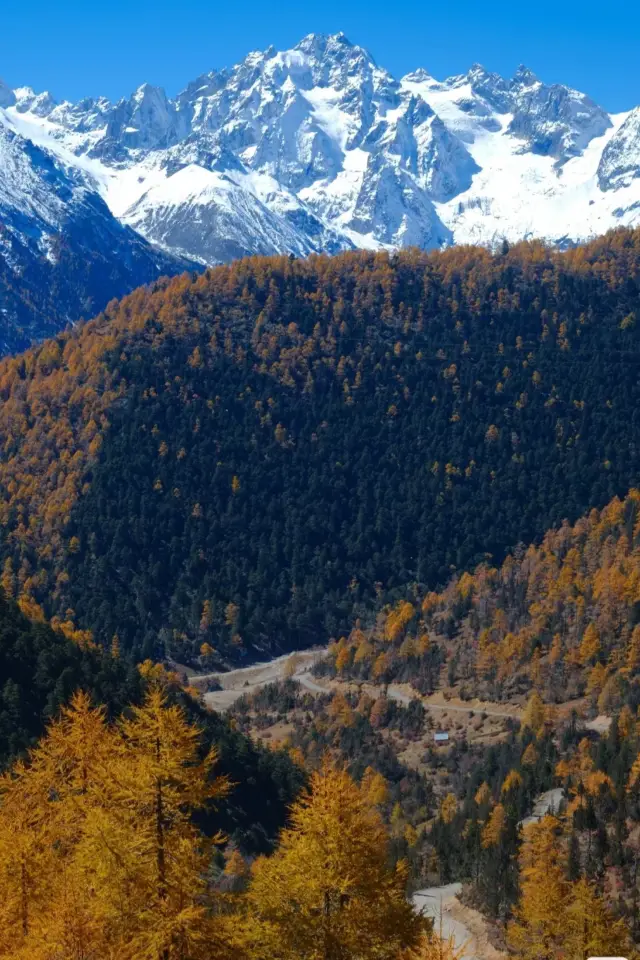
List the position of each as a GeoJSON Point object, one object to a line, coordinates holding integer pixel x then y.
{"type": "Point", "coordinates": [555, 630]}
{"type": "Point", "coordinates": [562, 618]}
{"type": "Point", "coordinates": [251, 457]}
{"type": "Point", "coordinates": [464, 810]}
{"type": "Point", "coordinates": [40, 668]}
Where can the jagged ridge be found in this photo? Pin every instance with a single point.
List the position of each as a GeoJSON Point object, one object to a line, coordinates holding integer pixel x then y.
{"type": "Point", "coordinates": [319, 148]}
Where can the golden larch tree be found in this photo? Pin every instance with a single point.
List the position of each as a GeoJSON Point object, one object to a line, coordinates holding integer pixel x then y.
{"type": "Point", "coordinates": [538, 929]}
{"type": "Point", "coordinates": [328, 891]}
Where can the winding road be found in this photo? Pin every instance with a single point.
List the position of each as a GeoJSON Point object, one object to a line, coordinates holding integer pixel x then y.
{"type": "Point", "coordinates": [235, 683]}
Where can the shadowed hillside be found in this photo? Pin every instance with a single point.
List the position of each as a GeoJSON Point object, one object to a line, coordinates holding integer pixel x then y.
{"type": "Point", "coordinates": [249, 458]}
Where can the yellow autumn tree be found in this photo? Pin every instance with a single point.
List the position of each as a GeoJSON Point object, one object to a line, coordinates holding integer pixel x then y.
{"type": "Point", "coordinates": [328, 891]}
{"type": "Point", "coordinates": [537, 931]}
{"type": "Point", "coordinates": [340, 710]}
{"type": "Point", "coordinates": [46, 896]}
{"type": "Point", "coordinates": [512, 782]}
{"type": "Point", "coordinates": [26, 860]}
{"type": "Point", "coordinates": [483, 794]}
{"type": "Point", "coordinates": [374, 787]}
{"type": "Point", "coordinates": [494, 828]}
{"type": "Point", "coordinates": [626, 723]}
{"type": "Point", "coordinates": [435, 946]}
{"type": "Point", "coordinates": [99, 857]}
{"type": "Point", "coordinates": [448, 808]}
{"type": "Point", "coordinates": [343, 659]}
{"type": "Point", "coordinates": [534, 715]}
{"type": "Point", "coordinates": [633, 651]}
{"type": "Point", "coordinates": [634, 774]}
{"type": "Point", "coordinates": [159, 782]}
{"type": "Point", "coordinates": [589, 646]}
{"type": "Point", "coordinates": [589, 928]}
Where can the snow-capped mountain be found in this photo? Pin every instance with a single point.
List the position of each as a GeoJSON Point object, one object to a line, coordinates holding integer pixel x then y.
{"type": "Point", "coordinates": [319, 148]}
{"type": "Point", "coordinates": [63, 254]}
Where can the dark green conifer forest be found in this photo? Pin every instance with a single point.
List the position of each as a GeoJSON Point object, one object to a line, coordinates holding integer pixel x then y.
{"type": "Point", "coordinates": [253, 456]}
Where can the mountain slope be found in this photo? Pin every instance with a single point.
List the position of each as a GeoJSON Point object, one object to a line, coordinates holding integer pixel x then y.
{"type": "Point", "coordinates": [63, 255]}
{"type": "Point", "coordinates": [562, 617]}
{"type": "Point", "coordinates": [318, 148]}
{"type": "Point", "coordinates": [251, 456]}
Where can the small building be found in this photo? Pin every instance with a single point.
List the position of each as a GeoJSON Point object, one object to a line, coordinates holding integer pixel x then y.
{"type": "Point", "coordinates": [441, 737]}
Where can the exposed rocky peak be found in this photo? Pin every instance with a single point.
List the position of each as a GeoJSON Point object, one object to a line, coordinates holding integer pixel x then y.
{"type": "Point", "coordinates": [295, 149]}
{"type": "Point", "coordinates": [491, 88]}
{"type": "Point", "coordinates": [203, 86]}
{"type": "Point", "coordinates": [85, 116]}
{"type": "Point", "coordinates": [147, 121]}
{"type": "Point", "coordinates": [40, 104]}
{"type": "Point", "coordinates": [318, 45]}
{"type": "Point", "coordinates": [551, 120]}
{"type": "Point", "coordinates": [421, 76]}
{"type": "Point", "coordinates": [524, 77]}
{"type": "Point", "coordinates": [554, 120]}
{"type": "Point", "coordinates": [332, 55]}
{"type": "Point", "coordinates": [620, 162]}
{"type": "Point", "coordinates": [444, 165]}
{"type": "Point", "coordinates": [391, 207]}
{"type": "Point", "coordinates": [420, 143]}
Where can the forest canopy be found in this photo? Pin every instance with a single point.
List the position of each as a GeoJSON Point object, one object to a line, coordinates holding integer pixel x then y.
{"type": "Point", "coordinates": [562, 617]}
{"type": "Point", "coordinates": [249, 458]}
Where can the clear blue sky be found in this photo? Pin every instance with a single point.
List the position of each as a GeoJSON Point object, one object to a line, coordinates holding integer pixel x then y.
{"type": "Point", "coordinates": [77, 48]}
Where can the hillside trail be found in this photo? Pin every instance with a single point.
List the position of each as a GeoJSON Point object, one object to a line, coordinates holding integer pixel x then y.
{"type": "Point", "coordinates": [470, 930]}
{"type": "Point", "coordinates": [468, 927]}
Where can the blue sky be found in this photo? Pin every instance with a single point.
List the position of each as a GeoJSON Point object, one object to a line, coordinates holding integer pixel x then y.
{"type": "Point", "coordinates": [79, 48]}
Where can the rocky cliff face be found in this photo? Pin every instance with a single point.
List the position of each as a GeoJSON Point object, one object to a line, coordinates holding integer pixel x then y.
{"type": "Point", "coordinates": [620, 162]}
{"type": "Point", "coordinates": [63, 255]}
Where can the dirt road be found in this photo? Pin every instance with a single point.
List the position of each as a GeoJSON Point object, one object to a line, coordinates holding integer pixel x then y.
{"type": "Point", "coordinates": [235, 683]}
{"type": "Point", "coordinates": [452, 918]}
{"type": "Point", "coordinates": [548, 802]}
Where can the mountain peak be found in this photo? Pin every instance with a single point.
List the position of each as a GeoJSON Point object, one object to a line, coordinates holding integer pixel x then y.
{"type": "Point", "coordinates": [332, 45]}
{"type": "Point", "coordinates": [147, 91]}
{"type": "Point", "coordinates": [314, 40]}
{"type": "Point", "coordinates": [525, 76]}
{"type": "Point", "coordinates": [418, 76]}
{"type": "Point", "coordinates": [327, 150]}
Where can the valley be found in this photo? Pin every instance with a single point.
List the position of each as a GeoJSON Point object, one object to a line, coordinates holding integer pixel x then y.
{"type": "Point", "coordinates": [298, 667]}
{"type": "Point", "coordinates": [320, 598]}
